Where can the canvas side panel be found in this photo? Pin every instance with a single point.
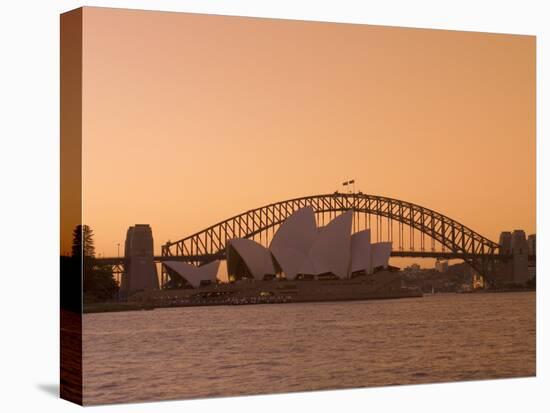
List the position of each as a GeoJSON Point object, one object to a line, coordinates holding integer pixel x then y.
{"type": "Point", "coordinates": [71, 206]}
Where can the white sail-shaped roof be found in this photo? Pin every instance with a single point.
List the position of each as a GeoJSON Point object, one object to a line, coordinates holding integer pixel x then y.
{"type": "Point", "coordinates": [293, 240]}
{"type": "Point", "coordinates": [380, 253]}
{"type": "Point", "coordinates": [290, 260]}
{"type": "Point", "coordinates": [331, 251]}
{"type": "Point", "coordinates": [297, 232]}
{"type": "Point", "coordinates": [194, 275]}
{"type": "Point", "coordinates": [361, 252]}
{"type": "Point", "coordinates": [256, 257]}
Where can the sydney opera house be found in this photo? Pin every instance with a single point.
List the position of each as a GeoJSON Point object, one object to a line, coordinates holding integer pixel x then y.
{"type": "Point", "coordinates": [299, 250]}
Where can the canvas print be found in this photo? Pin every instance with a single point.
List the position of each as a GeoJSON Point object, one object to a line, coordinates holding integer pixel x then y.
{"type": "Point", "coordinates": [254, 206]}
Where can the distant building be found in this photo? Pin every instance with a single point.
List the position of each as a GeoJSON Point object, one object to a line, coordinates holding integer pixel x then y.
{"type": "Point", "coordinates": [477, 280]}
{"type": "Point", "coordinates": [413, 268]}
{"type": "Point", "coordinates": [520, 252]}
{"type": "Point", "coordinates": [441, 266]}
{"type": "Point", "coordinates": [532, 262]}
{"type": "Point", "coordinates": [532, 244]}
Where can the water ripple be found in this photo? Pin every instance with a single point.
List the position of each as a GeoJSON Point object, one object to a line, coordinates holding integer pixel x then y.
{"type": "Point", "coordinates": [213, 351]}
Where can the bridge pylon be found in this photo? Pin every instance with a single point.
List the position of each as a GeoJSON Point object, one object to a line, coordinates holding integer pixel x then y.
{"type": "Point", "coordinates": [140, 271]}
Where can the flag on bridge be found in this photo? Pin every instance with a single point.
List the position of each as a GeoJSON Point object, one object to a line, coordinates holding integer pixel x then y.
{"type": "Point", "coordinates": [345, 183]}
{"type": "Point", "coordinates": [352, 181]}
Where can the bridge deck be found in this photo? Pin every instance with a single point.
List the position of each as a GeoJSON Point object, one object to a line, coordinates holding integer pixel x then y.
{"type": "Point", "coordinates": [396, 253]}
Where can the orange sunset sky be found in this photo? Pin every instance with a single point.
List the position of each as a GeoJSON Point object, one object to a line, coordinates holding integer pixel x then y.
{"type": "Point", "coordinates": [190, 119]}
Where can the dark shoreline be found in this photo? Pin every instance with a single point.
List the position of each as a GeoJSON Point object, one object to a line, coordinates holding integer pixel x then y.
{"type": "Point", "coordinates": [122, 306]}
{"type": "Point", "coordinates": [112, 307]}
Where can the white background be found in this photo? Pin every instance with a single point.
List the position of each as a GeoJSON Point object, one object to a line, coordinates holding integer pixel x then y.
{"type": "Point", "coordinates": [29, 191]}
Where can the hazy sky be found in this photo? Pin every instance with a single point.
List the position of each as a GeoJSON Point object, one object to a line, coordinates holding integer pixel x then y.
{"type": "Point", "coordinates": [190, 119]}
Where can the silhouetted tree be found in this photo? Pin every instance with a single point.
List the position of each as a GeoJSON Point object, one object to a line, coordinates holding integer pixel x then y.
{"type": "Point", "coordinates": [99, 283]}
{"type": "Point", "coordinates": [83, 242]}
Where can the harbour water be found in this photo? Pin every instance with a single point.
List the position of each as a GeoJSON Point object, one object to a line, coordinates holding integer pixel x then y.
{"type": "Point", "coordinates": [196, 352]}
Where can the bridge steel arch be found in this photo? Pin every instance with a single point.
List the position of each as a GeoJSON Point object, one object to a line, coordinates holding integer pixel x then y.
{"type": "Point", "coordinates": [478, 251]}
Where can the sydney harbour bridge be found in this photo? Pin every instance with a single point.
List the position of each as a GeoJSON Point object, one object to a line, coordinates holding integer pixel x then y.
{"type": "Point", "coordinates": [414, 230]}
